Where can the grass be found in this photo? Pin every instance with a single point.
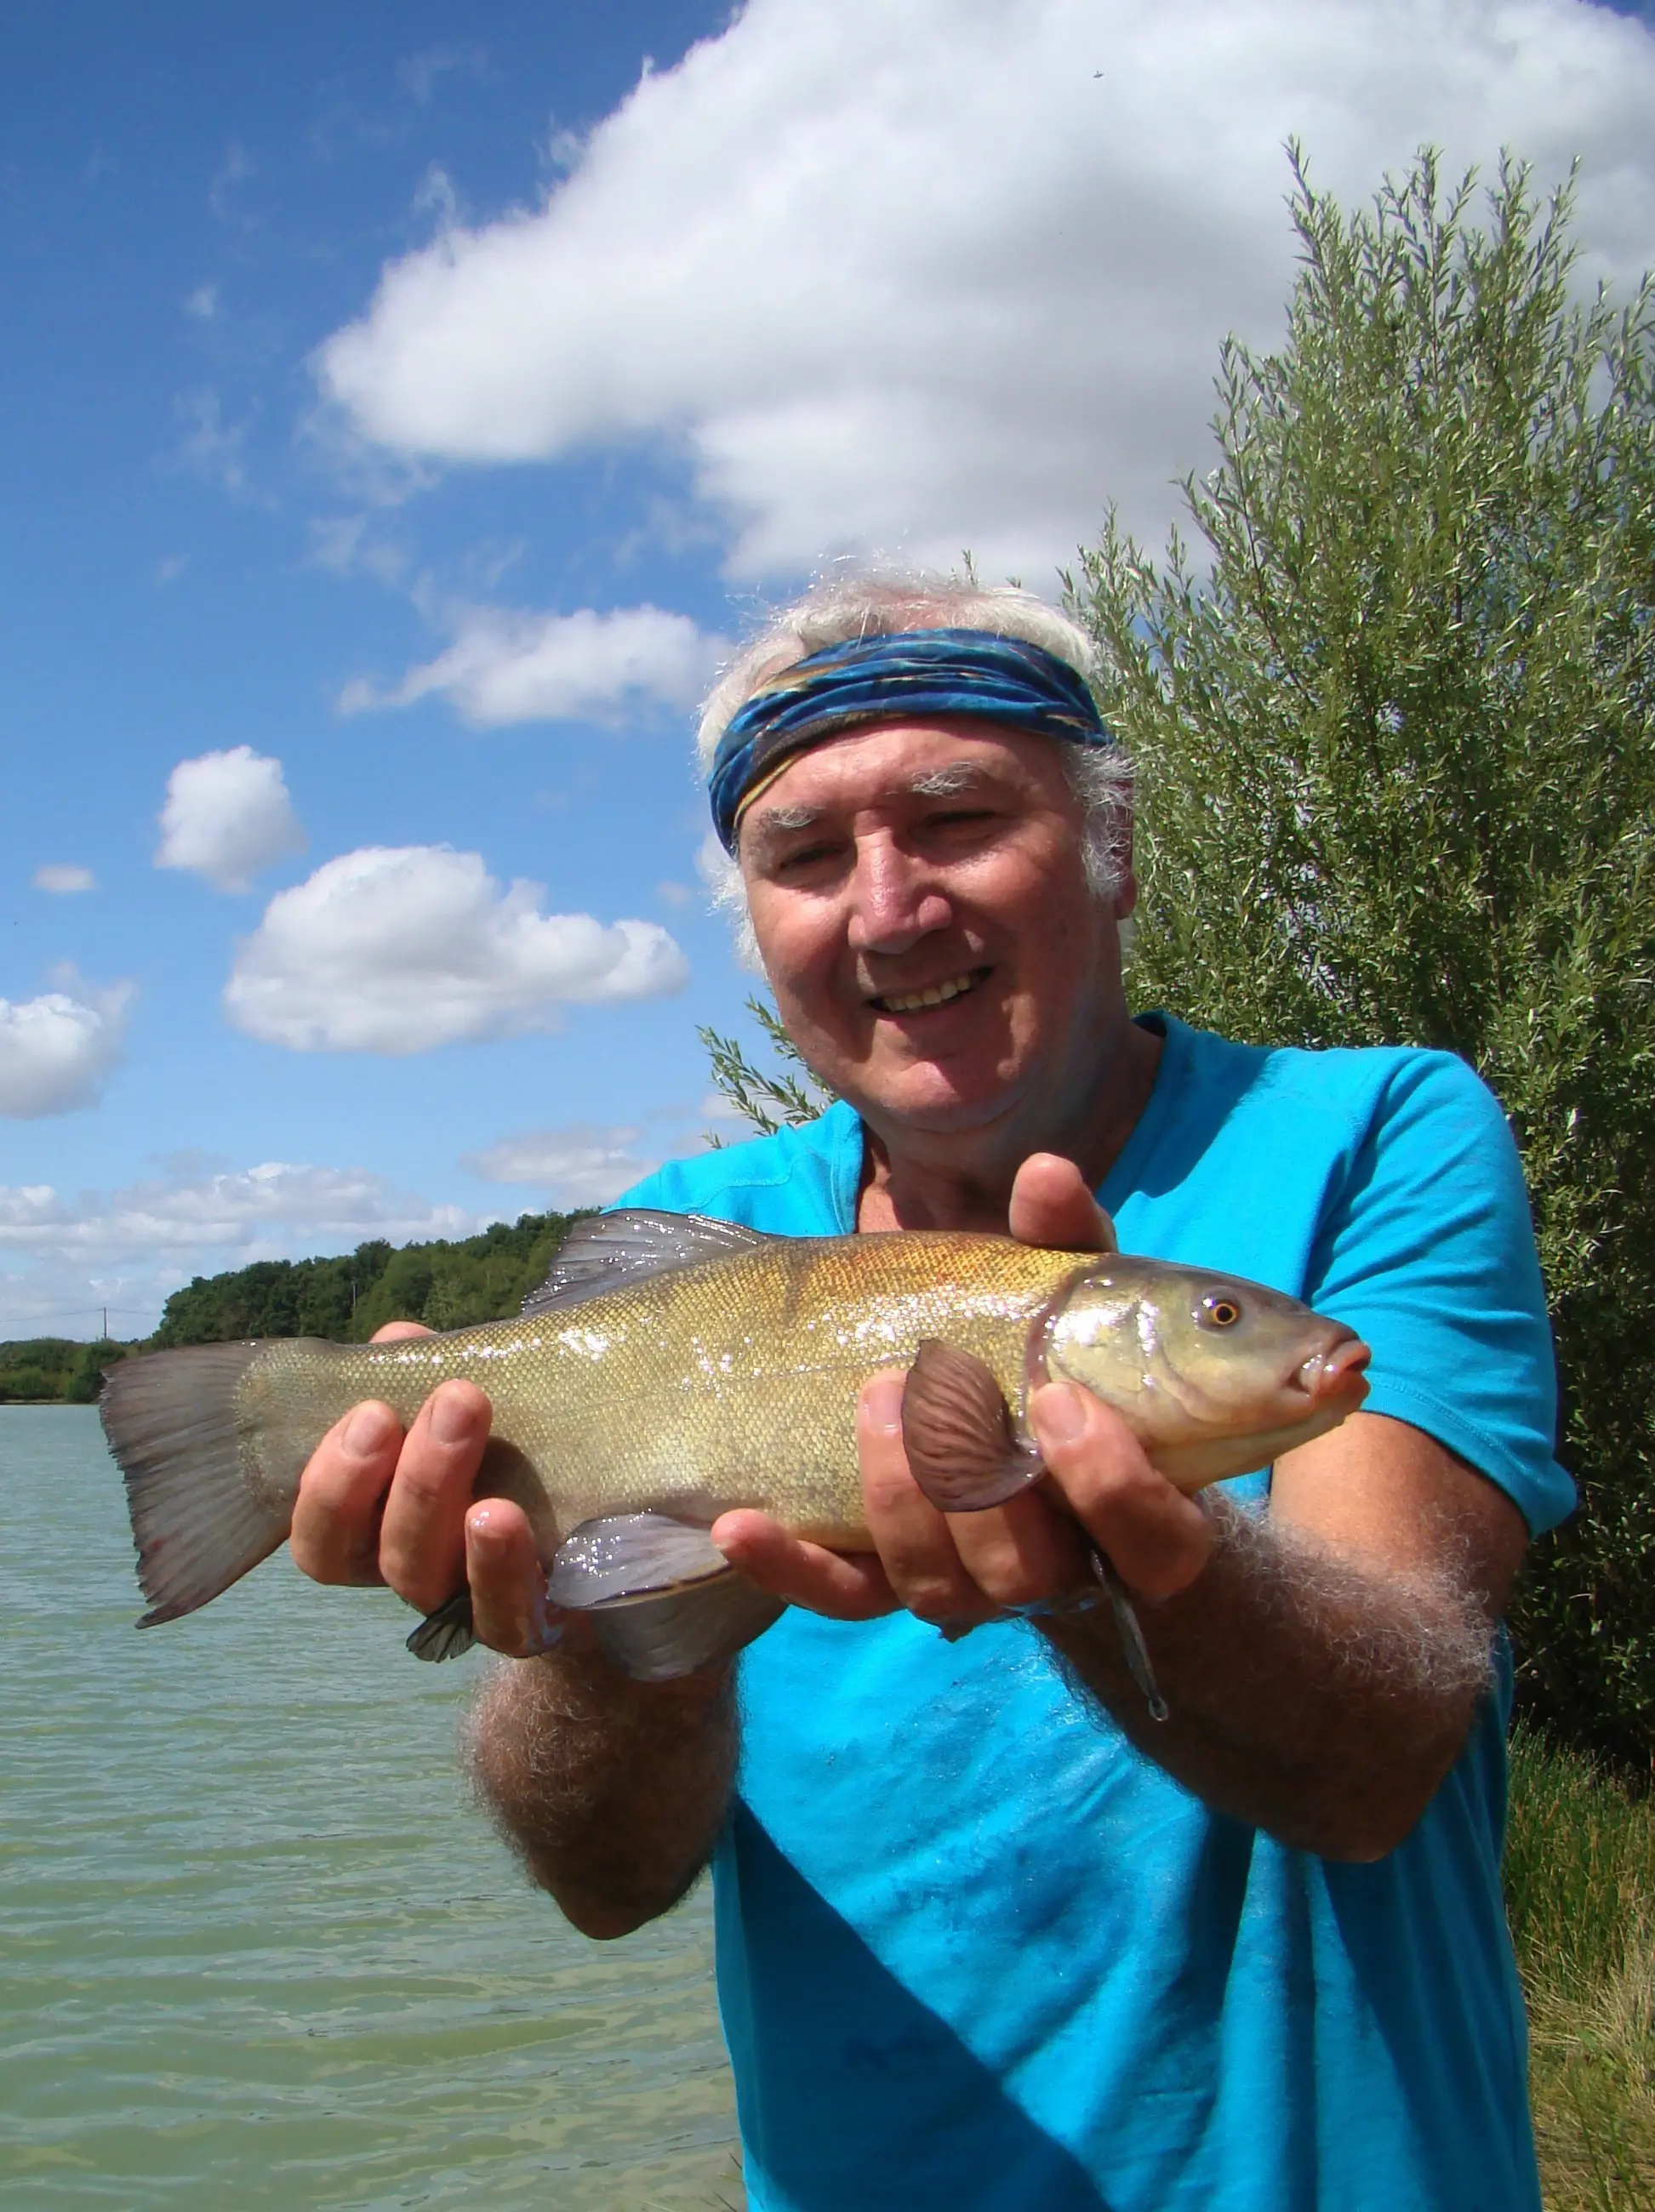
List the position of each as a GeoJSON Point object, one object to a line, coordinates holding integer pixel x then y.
{"type": "Point", "coordinates": [1580, 1888]}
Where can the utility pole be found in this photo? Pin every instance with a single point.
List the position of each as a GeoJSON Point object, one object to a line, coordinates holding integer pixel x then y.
{"type": "Point", "coordinates": [105, 1324]}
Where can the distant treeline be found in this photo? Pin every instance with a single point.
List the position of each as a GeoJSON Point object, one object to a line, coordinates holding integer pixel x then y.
{"type": "Point", "coordinates": [445, 1285]}
{"type": "Point", "coordinates": [55, 1369]}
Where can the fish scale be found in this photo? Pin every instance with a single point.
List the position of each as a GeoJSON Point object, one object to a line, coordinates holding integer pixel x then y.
{"type": "Point", "coordinates": [673, 1367]}
{"type": "Point", "coordinates": [735, 1382]}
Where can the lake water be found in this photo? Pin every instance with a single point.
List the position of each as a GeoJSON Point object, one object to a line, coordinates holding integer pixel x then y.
{"type": "Point", "coordinates": [257, 1949]}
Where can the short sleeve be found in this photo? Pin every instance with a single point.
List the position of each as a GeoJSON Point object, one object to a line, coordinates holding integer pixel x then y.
{"type": "Point", "coordinates": [1427, 1251]}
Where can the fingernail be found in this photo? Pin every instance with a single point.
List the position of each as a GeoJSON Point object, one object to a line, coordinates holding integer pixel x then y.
{"type": "Point", "coordinates": [367, 1431]}
{"type": "Point", "coordinates": [1058, 1416]}
{"type": "Point", "coordinates": [882, 1402]}
{"type": "Point", "coordinates": [451, 1418]}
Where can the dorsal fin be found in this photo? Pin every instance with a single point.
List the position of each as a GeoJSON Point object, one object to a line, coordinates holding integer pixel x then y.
{"type": "Point", "coordinates": [609, 1249]}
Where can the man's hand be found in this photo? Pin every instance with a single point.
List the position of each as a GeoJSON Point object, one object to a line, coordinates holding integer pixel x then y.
{"type": "Point", "coordinates": [1322, 1663]}
{"type": "Point", "coordinates": [959, 1568]}
{"type": "Point", "coordinates": [610, 1791]}
{"type": "Point", "coordinates": [377, 1506]}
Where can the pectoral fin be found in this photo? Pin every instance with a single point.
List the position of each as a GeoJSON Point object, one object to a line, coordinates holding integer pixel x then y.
{"type": "Point", "coordinates": [957, 1430]}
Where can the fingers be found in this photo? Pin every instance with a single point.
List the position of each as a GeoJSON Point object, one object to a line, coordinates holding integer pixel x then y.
{"type": "Point", "coordinates": [1157, 1538]}
{"type": "Point", "coordinates": [1051, 1205]}
{"type": "Point", "coordinates": [845, 1586]}
{"type": "Point", "coordinates": [510, 1610]}
{"type": "Point", "coordinates": [374, 1506]}
{"type": "Point", "coordinates": [423, 1532]}
{"type": "Point", "coordinates": [336, 1519]}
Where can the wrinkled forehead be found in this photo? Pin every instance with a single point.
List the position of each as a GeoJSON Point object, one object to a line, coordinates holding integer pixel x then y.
{"type": "Point", "coordinates": [896, 762]}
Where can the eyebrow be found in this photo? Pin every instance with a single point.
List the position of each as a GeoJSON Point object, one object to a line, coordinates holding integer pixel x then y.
{"type": "Point", "coordinates": [948, 781]}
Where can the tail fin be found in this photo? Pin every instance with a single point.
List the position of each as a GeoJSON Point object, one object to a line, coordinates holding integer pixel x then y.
{"type": "Point", "coordinates": [198, 1523]}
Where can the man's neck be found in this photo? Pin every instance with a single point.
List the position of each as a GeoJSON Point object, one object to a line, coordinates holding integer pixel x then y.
{"type": "Point", "coordinates": [917, 1181]}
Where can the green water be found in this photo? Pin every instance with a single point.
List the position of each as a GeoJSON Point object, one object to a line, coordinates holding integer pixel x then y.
{"type": "Point", "coordinates": [257, 1950]}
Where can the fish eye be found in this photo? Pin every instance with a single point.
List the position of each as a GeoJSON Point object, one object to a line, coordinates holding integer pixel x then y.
{"type": "Point", "coordinates": [1220, 1312]}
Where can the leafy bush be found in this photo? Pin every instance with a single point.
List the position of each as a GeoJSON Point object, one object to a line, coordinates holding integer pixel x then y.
{"type": "Point", "coordinates": [1398, 782]}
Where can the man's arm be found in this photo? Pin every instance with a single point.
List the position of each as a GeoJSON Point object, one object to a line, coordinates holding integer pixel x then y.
{"type": "Point", "coordinates": [612, 1792]}
{"type": "Point", "coordinates": [1322, 1663]}
{"type": "Point", "coordinates": [1323, 1668]}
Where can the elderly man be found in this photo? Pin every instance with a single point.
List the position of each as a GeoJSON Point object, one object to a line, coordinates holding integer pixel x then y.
{"type": "Point", "coordinates": [990, 1933]}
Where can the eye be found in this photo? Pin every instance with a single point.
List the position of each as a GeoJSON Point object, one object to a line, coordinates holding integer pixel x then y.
{"type": "Point", "coordinates": [1219, 1312]}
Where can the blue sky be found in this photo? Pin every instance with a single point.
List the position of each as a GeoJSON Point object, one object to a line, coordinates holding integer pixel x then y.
{"type": "Point", "coordinates": [409, 403]}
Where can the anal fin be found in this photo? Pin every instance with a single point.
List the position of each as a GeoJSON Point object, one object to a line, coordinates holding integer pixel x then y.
{"type": "Point", "coordinates": [957, 1430]}
{"type": "Point", "coordinates": [446, 1634]}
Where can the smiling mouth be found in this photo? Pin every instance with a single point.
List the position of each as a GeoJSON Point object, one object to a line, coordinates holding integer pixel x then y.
{"type": "Point", "coordinates": [934, 994]}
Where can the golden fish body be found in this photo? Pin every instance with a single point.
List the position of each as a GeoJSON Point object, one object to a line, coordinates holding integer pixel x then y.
{"type": "Point", "coordinates": [731, 1384]}
{"type": "Point", "coordinates": [674, 1368]}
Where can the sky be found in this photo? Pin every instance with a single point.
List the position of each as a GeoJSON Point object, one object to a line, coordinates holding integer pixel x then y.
{"type": "Point", "coordinates": [406, 408]}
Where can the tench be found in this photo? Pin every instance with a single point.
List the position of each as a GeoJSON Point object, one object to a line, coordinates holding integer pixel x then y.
{"type": "Point", "coordinates": [672, 1367]}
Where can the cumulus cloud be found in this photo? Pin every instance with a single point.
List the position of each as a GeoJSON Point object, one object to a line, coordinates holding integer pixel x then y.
{"type": "Point", "coordinates": [968, 296]}
{"type": "Point", "coordinates": [128, 1249]}
{"type": "Point", "coordinates": [198, 1204]}
{"type": "Point", "coordinates": [581, 1163]}
{"type": "Point", "coordinates": [505, 666]}
{"type": "Point", "coordinates": [64, 878]}
{"type": "Point", "coordinates": [227, 816]}
{"type": "Point", "coordinates": [56, 1050]}
{"type": "Point", "coordinates": [397, 949]}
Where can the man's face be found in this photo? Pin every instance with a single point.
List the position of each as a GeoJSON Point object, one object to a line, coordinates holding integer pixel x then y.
{"type": "Point", "coordinates": [919, 894]}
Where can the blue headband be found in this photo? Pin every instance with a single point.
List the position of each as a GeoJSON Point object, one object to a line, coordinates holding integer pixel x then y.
{"type": "Point", "coordinates": [913, 675]}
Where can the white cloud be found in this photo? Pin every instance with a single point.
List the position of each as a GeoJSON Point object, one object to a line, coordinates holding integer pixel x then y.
{"type": "Point", "coordinates": [222, 1207]}
{"type": "Point", "coordinates": [226, 816]}
{"type": "Point", "coordinates": [202, 302]}
{"type": "Point", "coordinates": [507, 666]}
{"type": "Point", "coordinates": [398, 949]}
{"type": "Point", "coordinates": [969, 293]}
{"type": "Point", "coordinates": [129, 1248]}
{"type": "Point", "coordinates": [63, 877]}
{"type": "Point", "coordinates": [56, 1050]}
{"type": "Point", "coordinates": [581, 1163]}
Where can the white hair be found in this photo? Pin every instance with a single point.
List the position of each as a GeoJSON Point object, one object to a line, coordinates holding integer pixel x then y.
{"type": "Point", "coordinates": [883, 602]}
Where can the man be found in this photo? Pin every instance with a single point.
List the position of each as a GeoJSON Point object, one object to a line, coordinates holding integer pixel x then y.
{"type": "Point", "coordinates": [990, 1935]}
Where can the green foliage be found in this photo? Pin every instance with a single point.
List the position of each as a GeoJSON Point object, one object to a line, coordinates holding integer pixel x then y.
{"type": "Point", "coordinates": [274, 1298]}
{"type": "Point", "coordinates": [1580, 1891]}
{"type": "Point", "coordinates": [1399, 783]}
{"type": "Point", "coordinates": [445, 1285]}
{"type": "Point", "coordinates": [55, 1369]}
{"type": "Point", "coordinates": [453, 1285]}
{"type": "Point", "coordinates": [768, 1098]}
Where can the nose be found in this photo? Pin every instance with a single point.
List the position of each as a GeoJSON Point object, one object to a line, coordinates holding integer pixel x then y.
{"type": "Point", "coordinates": [893, 901]}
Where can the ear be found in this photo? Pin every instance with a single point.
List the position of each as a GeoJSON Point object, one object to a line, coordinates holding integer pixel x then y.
{"type": "Point", "coordinates": [1126, 897]}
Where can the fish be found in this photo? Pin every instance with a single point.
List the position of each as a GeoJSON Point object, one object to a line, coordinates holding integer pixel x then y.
{"type": "Point", "coordinates": [673, 1367]}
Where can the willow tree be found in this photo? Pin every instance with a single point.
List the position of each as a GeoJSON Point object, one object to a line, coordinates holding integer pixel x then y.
{"type": "Point", "coordinates": [1391, 705]}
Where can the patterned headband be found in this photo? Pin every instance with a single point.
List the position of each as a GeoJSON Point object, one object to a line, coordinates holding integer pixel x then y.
{"type": "Point", "coordinates": [914, 675]}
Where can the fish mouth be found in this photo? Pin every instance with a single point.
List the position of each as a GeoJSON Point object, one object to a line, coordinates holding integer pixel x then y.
{"type": "Point", "coordinates": [929, 995]}
{"type": "Point", "coordinates": [1336, 1376]}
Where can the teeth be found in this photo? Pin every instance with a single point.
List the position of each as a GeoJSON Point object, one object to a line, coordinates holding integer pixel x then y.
{"type": "Point", "coordinates": [910, 1002]}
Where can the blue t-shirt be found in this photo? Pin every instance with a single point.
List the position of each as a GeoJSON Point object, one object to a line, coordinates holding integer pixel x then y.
{"type": "Point", "coordinates": [977, 1953]}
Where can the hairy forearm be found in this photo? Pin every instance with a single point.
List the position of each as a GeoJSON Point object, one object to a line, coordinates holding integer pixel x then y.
{"type": "Point", "coordinates": [612, 1792]}
{"type": "Point", "coordinates": [1311, 1695]}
